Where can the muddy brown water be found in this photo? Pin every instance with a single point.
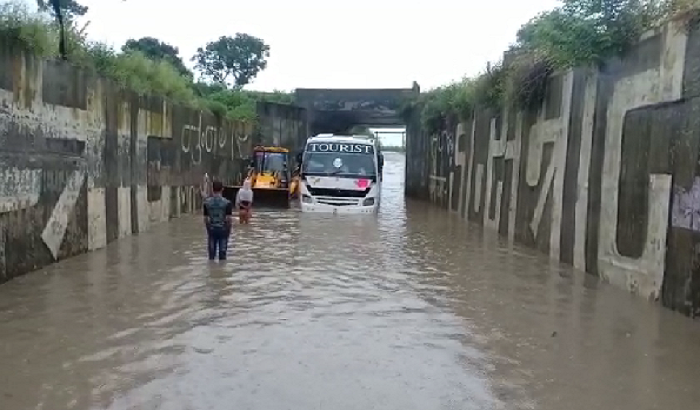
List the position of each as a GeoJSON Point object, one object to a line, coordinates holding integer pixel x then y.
{"type": "Point", "coordinates": [408, 309]}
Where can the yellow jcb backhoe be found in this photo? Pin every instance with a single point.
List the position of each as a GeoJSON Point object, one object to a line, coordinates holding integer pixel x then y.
{"type": "Point", "coordinates": [269, 174]}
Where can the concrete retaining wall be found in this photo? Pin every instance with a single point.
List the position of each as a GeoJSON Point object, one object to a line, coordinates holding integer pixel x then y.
{"type": "Point", "coordinates": [83, 163]}
{"type": "Point", "coordinates": [605, 176]}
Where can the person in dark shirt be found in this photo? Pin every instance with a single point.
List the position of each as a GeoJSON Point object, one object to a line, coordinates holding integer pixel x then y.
{"type": "Point", "coordinates": [218, 217]}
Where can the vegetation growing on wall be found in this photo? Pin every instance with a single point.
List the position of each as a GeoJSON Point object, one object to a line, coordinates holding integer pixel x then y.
{"type": "Point", "coordinates": [157, 50]}
{"type": "Point", "coordinates": [146, 66]}
{"type": "Point", "coordinates": [577, 33]}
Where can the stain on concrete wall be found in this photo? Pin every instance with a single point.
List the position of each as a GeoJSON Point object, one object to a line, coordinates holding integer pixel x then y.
{"type": "Point", "coordinates": [603, 176]}
{"type": "Point", "coordinates": [84, 163]}
{"type": "Point", "coordinates": [416, 183]}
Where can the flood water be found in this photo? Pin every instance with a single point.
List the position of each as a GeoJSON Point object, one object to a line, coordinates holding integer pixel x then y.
{"type": "Point", "coordinates": [410, 309]}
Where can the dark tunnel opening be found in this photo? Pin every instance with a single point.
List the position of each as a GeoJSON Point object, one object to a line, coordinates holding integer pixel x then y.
{"type": "Point", "coordinates": [334, 122]}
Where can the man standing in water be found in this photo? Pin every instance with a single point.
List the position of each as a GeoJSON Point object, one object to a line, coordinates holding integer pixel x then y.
{"type": "Point", "coordinates": [244, 202]}
{"type": "Point", "coordinates": [218, 217]}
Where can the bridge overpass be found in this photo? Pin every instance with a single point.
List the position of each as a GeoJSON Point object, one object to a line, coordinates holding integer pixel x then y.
{"type": "Point", "coordinates": [338, 110]}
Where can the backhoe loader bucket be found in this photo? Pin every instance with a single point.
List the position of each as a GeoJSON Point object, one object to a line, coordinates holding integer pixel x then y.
{"type": "Point", "coordinates": [262, 197]}
{"type": "Point", "coordinates": [271, 197]}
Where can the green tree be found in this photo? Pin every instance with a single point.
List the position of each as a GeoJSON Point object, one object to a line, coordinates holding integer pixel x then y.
{"type": "Point", "coordinates": [64, 11]}
{"type": "Point", "coordinates": [158, 51]}
{"type": "Point", "coordinates": [232, 60]}
{"type": "Point", "coordinates": [69, 8]}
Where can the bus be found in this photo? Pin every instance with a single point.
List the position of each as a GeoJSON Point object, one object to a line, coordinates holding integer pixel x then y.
{"type": "Point", "coordinates": [340, 174]}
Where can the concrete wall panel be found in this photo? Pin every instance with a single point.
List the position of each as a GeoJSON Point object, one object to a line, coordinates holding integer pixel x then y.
{"type": "Point", "coordinates": [607, 170]}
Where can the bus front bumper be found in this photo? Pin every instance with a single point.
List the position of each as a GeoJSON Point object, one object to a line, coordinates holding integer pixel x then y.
{"type": "Point", "coordinates": [338, 209]}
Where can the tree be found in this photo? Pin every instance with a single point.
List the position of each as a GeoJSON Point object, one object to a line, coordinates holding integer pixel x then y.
{"type": "Point", "coordinates": [232, 60]}
{"type": "Point", "coordinates": [62, 10]}
{"type": "Point", "coordinates": [69, 8]}
{"type": "Point", "coordinates": [158, 50]}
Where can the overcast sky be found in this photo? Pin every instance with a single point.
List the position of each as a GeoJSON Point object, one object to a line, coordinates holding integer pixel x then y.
{"type": "Point", "coordinates": [358, 43]}
{"type": "Point", "coordinates": [313, 44]}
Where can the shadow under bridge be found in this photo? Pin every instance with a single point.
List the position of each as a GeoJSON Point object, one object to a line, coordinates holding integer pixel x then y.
{"type": "Point", "coordinates": [337, 111]}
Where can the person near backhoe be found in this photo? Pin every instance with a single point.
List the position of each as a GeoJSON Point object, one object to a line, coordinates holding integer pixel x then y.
{"type": "Point", "coordinates": [218, 219]}
{"type": "Point", "coordinates": [244, 202]}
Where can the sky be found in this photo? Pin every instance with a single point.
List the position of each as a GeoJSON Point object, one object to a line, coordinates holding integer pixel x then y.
{"type": "Point", "coordinates": [313, 44]}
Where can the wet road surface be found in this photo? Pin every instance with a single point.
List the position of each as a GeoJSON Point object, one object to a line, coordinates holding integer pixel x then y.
{"type": "Point", "coordinates": [409, 309]}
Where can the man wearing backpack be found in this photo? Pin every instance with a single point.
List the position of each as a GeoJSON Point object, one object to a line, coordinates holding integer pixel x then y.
{"type": "Point", "coordinates": [218, 218]}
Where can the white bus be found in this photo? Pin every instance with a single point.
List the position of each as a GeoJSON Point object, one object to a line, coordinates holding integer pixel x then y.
{"type": "Point", "coordinates": [340, 174]}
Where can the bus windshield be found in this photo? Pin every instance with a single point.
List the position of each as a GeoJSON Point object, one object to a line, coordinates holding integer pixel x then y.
{"type": "Point", "coordinates": [338, 163]}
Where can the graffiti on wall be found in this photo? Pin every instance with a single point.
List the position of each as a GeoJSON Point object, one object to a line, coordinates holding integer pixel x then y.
{"type": "Point", "coordinates": [659, 83]}
{"type": "Point", "coordinates": [459, 162]}
{"type": "Point", "coordinates": [685, 212]}
{"type": "Point", "coordinates": [55, 229]}
{"type": "Point", "coordinates": [554, 132]}
{"type": "Point", "coordinates": [441, 163]}
{"type": "Point", "coordinates": [501, 150]}
{"type": "Point", "coordinates": [191, 142]}
{"type": "Point", "coordinates": [470, 158]}
{"type": "Point", "coordinates": [196, 140]}
{"type": "Point", "coordinates": [19, 188]}
{"type": "Point", "coordinates": [588, 177]}
{"type": "Point", "coordinates": [22, 188]}
{"type": "Point", "coordinates": [242, 140]}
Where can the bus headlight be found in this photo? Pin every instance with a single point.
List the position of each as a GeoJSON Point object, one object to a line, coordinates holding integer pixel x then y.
{"type": "Point", "coordinates": [368, 201]}
{"type": "Point", "coordinates": [306, 199]}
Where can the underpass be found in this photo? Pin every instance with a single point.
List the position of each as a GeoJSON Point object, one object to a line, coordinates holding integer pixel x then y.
{"type": "Point", "coordinates": [408, 309]}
